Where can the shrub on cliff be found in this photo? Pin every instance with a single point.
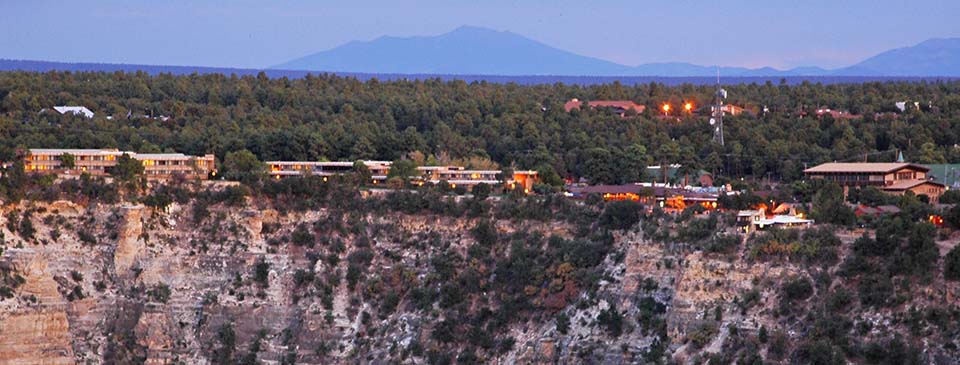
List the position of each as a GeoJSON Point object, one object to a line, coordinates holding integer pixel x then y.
{"type": "Point", "coordinates": [159, 293]}
{"type": "Point", "coordinates": [951, 264]}
{"type": "Point", "coordinates": [797, 289]}
{"type": "Point", "coordinates": [620, 214]}
{"type": "Point", "coordinates": [261, 273]}
{"type": "Point", "coordinates": [611, 320]}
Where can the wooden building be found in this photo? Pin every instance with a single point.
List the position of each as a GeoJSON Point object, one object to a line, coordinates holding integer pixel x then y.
{"type": "Point", "coordinates": [890, 177]}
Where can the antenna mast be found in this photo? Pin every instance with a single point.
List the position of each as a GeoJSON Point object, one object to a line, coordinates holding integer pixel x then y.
{"type": "Point", "coordinates": [717, 118]}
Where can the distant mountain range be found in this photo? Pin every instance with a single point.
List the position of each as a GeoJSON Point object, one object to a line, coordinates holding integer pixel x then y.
{"type": "Point", "coordinates": [480, 51]}
{"type": "Point", "coordinates": [46, 66]}
{"type": "Point", "coordinates": [479, 54]}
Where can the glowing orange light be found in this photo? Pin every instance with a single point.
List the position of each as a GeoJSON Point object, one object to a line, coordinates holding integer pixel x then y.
{"type": "Point", "coordinates": [688, 107]}
{"type": "Point", "coordinates": [666, 108]}
{"type": "Point", "coordinates": [936, 219]}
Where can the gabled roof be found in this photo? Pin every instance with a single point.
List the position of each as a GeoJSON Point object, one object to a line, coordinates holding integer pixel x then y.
{"type": "Point", "coordinates": [909, 184]}
{"type": "Point", "coordinates": [863, 167]}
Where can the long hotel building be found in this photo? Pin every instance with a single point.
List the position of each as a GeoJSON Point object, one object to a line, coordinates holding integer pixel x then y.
{"type": "Point", "coordinates": [98, 162]}
{"type": "Point", "coordinates": [453, 175]}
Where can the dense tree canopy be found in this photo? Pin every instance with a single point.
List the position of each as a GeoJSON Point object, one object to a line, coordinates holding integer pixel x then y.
{"type": "Point", "coordinates": [335, 118]}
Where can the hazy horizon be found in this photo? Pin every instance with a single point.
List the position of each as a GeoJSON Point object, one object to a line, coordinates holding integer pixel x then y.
{"type": "Point", "coordinates": [255, 34]}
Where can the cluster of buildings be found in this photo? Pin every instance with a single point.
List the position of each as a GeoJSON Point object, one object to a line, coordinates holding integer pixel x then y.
{"type": "Point", "coordinates": [452, 175]}
{"type": "Point", "coordinates": [99, 162]}
{"type": "Point", "coordinates": [167, 165]}
{"type": "Point", "coordinates": [895, 178]}
{"type": "Point", "coordinates": [652, 194]}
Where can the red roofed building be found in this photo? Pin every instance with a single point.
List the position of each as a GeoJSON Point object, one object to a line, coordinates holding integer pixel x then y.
{"type": "Point", "coordinates": [620, 106]}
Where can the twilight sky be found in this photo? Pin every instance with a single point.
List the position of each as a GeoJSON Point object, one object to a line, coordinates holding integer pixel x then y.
{"type": "Point", "coordinates": [256, 34]}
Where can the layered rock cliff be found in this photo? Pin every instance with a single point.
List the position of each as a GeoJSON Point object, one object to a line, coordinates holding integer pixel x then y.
{"type": "Point", "coordinates": [105, 284]}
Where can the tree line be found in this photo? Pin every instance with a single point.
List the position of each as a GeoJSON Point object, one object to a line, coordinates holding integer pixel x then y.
{"type": "Point", "coordinates": [326, 117]}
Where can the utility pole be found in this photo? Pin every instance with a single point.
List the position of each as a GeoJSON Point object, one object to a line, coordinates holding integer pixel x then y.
{"type": "Point", "coordinates": [717, 118]}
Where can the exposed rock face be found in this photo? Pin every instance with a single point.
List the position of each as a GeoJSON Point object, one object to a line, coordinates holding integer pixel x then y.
{"type": "Point", "coordinates": [158, 288]}
{"type": "Point", "coordinates": [35, 338]}
{"type": "Point", "coordinates": [130, 244]}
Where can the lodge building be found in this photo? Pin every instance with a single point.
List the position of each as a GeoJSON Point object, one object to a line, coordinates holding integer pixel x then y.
{"type": "Point", "coordinates": [453, 175]}
{"type": "Point", "coordinates": [891, 177]}
{"type": "Point", "coordinates": [378, 169]}
{"type": "Point", "coordinates": [98, 162]}
{"type": "Point", "coordinates": [167, 165]}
